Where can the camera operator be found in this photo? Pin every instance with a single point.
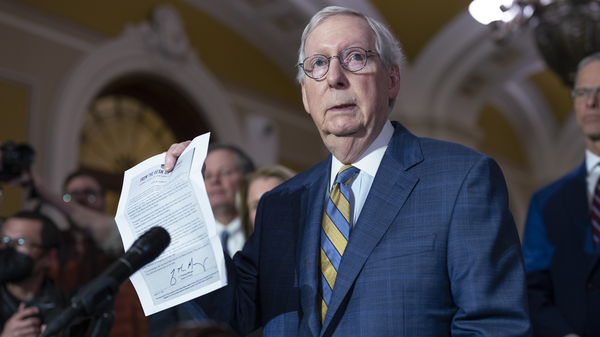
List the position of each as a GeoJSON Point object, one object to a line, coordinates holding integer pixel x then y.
{"type": "Point", "coordinates": [30, 243]}
{"type": "Point", "coordinates": [93, 237]}
{"type": "Point", "coordinates": [14, 160]}
{"type": "Point", "coordinates": [84, 204]}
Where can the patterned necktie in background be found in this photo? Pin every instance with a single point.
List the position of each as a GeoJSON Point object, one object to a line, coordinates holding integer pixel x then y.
{"type": "Point", "coordinates": [335, 232]}
{"type": "Point", "coordinates": [596, 215]}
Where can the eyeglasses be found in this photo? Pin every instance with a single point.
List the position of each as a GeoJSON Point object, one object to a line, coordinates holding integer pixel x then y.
{"type": "Point", "coordinates": [91, 195]}
{"type": "Point", "coordinates": [224, 172]}
{"type": "Point", "coordinates": [20, 242]}
{"type": "Point", "coordinates": [583, 93]}
{"type": "Point", "coordinates": [352, 59]}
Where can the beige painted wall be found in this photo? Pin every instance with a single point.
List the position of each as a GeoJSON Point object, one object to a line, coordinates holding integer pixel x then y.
{"type": "Point", "coordinates": [14, 108]}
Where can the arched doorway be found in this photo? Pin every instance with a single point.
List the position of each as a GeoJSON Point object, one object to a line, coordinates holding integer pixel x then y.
{"type": "Point", "coordinates": [143, 65]}
{"type": "Point", "coordinates": [132, 119]}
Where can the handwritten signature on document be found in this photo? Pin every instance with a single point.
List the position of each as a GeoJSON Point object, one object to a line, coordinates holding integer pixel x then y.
{"type": "Point", "coordinates": [182, 271]}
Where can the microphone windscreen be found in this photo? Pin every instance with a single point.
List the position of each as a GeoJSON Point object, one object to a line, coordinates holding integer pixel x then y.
{"type": "Point", "coordinates": [148, 247]}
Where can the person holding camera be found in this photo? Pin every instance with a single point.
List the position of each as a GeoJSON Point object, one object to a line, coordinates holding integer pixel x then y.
{"type": "Point", "coordinates": [30, 243]}
{"type": "Point", "coordinates": [14, 160]}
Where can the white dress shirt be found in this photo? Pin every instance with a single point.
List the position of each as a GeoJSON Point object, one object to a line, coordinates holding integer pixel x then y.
{"type": "Point", "coordinates": [592, 162]}
{"type": "Point", "coordinates": [236, 239]}
{"type": "Point", "coordinates": [368, 163]}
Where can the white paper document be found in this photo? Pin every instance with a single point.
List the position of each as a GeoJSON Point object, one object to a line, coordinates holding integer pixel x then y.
{"type": "Point", "coordinates": [193, 264]}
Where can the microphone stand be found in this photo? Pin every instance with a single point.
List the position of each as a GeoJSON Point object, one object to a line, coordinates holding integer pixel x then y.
{"type": "Point", "coordinates": [100, 304]}
{"type": "Point", "coordinates": [102, 322]}
{"type": "Point", "coordinates": [96, 300]}
{"type": "Point", "coordinates": [97, 325]}
{"type": "Point", "coordinates": [97, 297]}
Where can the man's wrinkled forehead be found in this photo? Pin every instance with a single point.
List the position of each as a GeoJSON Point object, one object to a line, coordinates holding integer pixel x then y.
{"type": "Point", "coordinates": [321, 34]}
{"type": "Point", "coordinates": [589, 74]}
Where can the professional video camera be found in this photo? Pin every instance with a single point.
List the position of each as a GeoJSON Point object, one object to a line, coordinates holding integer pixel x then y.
{"type": "Point", "coordinates": [15, 160]}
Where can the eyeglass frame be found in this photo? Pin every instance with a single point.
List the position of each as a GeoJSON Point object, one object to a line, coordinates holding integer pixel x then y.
{"type": "Point", "coordinates": [587, 92]}
{"type": "Point", "coordinates": [20, 242]}
{"type": "Point", "coordinates": [222, 172]}
{"type": "Point", "coordinates": [367, 51]}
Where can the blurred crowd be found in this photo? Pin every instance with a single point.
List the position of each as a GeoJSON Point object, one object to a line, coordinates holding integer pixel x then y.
{"type": "Point", "coordinates": [42, 265]}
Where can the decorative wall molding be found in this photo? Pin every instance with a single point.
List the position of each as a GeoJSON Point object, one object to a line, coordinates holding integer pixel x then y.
{"type": "Point", "coordinates": [33, 86]}
{"type": "Point", "coordinates": [451, 90]}
{"type": "Point", "coordinates": [257, 106]}
{"type": "Point", "coordinates": [165, 37]}
{"type": "Point", "coordinates": [433, 90]}
{"type": "Point", "coordinates": [157, 48]}
{"type": "Point", "coordinates": [46, 32]}
{"type": "Point", "coordinates": [278, 111]}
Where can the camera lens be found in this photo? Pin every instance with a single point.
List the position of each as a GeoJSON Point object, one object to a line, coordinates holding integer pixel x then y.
{"type": "Point", "coordinates": [16, 159]}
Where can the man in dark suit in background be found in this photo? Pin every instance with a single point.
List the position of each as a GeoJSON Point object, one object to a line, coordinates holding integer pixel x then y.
{"type": "Point", "coordinates": [560, 244]}
{"type": "Point", "coordinates": [413, 237]}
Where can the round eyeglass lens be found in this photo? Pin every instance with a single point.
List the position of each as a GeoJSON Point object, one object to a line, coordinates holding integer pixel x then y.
{"type": "Point", "coordinates": [316, 66]}
{"type": "Point", "coordinates": [354, 59]}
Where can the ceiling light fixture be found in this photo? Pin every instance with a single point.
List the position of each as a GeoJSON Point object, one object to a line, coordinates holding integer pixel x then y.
{"type": "Point", "coordinates": [565, 31]}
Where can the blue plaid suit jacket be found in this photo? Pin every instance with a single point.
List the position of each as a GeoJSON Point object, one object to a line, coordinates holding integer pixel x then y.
{"type": "Point", "coordinates": [435, 252]}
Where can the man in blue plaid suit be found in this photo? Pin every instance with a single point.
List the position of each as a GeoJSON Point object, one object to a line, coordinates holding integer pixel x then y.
{"type": "Point", "coordinates": [432, 250]}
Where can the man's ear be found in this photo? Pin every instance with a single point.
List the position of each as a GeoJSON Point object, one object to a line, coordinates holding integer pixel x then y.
{"type": "Point", "coordinates": [304, 99]}
{"type": "Point", "coordinates": [394, 82]}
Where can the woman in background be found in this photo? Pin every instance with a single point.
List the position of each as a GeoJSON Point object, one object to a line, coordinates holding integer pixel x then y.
{"type": "Point", "coordinates": [253, 186]}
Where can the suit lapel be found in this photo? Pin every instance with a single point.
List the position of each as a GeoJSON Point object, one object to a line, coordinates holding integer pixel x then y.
{"type": "Point", "coordinates": [578, 206]}
{"type": "Point", "coordinates": [391, 187]}
{"type": "Point", "coordinates": [312, 204]}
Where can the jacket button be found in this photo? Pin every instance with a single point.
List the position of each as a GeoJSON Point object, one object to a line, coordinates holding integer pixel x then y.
{"type": "Point", "coordinates": [591, 286]}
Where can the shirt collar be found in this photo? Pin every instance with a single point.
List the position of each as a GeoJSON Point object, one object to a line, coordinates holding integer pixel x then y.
{"type": "Point", "coordinates": [233, 227]}
{"type": "Point", "coordinates": [369, 161]}
{"type": "Point", "coordinates": [591, 161]}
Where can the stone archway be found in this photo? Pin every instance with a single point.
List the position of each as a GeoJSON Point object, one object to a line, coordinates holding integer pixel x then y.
{"type": "Point", "coordinates": [459, 72]}
{"type": "Point", "coordinates": [160, 49]}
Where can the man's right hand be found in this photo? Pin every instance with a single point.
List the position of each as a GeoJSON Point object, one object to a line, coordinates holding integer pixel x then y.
{"type": "Point", "coordinates": [24, 322]}
{"type": "Point", "coordinates": [174, 152]}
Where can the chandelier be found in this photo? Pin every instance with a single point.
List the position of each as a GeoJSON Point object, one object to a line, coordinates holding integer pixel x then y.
{"type": "Point", "coordinates": [565, 31]}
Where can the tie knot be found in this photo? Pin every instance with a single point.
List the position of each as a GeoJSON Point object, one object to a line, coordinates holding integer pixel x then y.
{"type": "Point", "coordinates": [346, 173]}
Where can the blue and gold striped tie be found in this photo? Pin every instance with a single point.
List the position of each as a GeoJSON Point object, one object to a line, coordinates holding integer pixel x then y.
{"type": "Point", "coordinates": [335, 232]}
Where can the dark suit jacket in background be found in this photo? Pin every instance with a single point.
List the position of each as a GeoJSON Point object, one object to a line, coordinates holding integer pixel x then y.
{"type": "Point", "coordinates": [563, 274]}
{"type": "Point", "coordinates": [435, 252]}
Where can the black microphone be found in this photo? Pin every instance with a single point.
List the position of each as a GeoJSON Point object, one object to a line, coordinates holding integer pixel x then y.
{"type": "Point", "coordinates": [103, 289]}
